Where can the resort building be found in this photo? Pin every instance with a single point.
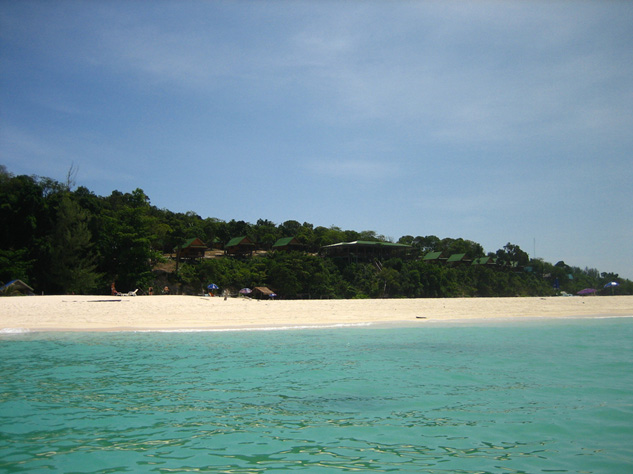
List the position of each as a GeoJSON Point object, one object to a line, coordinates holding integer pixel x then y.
{"type": "Point", "coordinates": [191, 249]}
{"type": "Point", "coordinates": [240, 247]}
{"type": "Point", "coordinates": [362, 250]}
{"type": "Point", "coordinates": [434, 257]}
{"type": "Point", "coordinates": [288, 243]}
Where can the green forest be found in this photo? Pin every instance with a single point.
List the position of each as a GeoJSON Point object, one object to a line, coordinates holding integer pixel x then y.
{"type": "Point", "coordinates": [63, 239]}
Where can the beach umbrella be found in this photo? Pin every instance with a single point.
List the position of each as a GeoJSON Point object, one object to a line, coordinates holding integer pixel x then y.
{"type": "Point", "coordinates": [612, 285]}
{"type": "Point", "coordinates": [272, 295]}
{"type": "Point", "coordinates": [213, 286]}
{"type": "Point", "coordinates": [246, 291]}
{"type": "Point", "coordinates": [586, 291]}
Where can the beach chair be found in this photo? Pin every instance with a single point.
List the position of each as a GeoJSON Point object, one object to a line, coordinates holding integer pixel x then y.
{"type": "Point", "coordinates": [129, 293]}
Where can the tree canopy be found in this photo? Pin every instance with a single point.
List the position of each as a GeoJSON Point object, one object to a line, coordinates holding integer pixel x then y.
{"type": "Point", "coordinates": [63, 240]}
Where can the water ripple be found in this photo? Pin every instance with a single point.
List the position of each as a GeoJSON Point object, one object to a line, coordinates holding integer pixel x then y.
{"type": "Point", "coordinates": [459, 400]}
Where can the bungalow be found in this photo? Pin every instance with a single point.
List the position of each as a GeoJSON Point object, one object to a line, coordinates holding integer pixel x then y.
{"type": "Point", "coordinates": [288, 243]}
{"type": "Point", "coordinates": [16, 287]}
{"type": "Point", "coordinates": [240, 246]}
{"type": "Point", "coordinates": [192, 248]}
{"type": "Point", "coordinates": [365, 250]}
{"type": "Point", "coordinates": [263, 292]}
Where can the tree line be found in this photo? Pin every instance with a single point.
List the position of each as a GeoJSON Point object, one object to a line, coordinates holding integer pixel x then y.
{"type": "Point", "coordinates": [60, 239]}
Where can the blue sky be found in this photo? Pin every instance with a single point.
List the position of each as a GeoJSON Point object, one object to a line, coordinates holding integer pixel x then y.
{"type": "Point", "coordinates": [493, 121]}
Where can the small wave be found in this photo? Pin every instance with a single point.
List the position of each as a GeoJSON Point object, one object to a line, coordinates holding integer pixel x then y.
{"type": "Point", "coordinates": [14, 331]}
{"type": "Point", "coordinates": [612, 316]}
{"type": "Point", "coordinates": [267, 328]}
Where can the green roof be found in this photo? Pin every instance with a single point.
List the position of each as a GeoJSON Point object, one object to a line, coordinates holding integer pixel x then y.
{"type": "Point", "coordinates": [235, 241]}
{"type": "Point", "coordinates": [432, 256]}
{"type": "Point", "coordinates": [456, 257]}
{"type": "Point", "coordinates": [191, 241]}
{"type": "Point", "coordinates": [367, 243]}
{"type": "Point", "coordinates": [482, 261]}
{"type": "Point", "coordinates": [283, 242]}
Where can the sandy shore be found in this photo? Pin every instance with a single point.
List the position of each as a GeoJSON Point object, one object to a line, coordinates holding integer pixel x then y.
{"type": "Point", "coordinates": [105, 313]}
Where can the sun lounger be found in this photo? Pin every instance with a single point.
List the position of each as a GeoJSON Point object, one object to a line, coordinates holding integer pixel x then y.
{"type": "Point", "coordinates": [129, 293]}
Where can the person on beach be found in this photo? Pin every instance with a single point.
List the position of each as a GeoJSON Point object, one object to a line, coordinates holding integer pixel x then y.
{"type": "Point", "coordinates": [166, 290]}
{"type": "Point", "coordinates": [113, 289]}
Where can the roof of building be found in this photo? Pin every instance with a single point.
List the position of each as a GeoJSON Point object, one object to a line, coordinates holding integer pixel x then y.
{"type": "Point", "coordinates": [195, 242]}
{"type": "Point", "coordinates": [367, 243]}
{"type": "Point", "coordinates": [432, 256]}
{"type": "Point", "coordinates": [235, 241]}
{"type": "Point", "coordinates": [456, 257]}
{"type": "Point", "coordinates": [17, 285]}
{"type": "Point", "coordinates": [264, 290]}
{"type": "Point", "coordinates": [285, 241]}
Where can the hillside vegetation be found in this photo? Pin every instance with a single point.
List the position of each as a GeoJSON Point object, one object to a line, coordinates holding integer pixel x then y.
{"type": "Point", "coordinates": [62, 240]}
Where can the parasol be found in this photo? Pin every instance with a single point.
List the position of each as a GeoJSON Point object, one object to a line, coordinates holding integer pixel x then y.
{"type": "Point", "coordinates": [586, 291]}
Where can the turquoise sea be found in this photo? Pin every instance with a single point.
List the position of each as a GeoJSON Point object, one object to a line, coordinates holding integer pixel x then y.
{"type": "Point", "coordinates": [528, 397]}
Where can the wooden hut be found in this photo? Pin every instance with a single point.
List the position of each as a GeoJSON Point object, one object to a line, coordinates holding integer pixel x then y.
{"type": "Point", "coordinates": [240, 246]}
{"type": "Point", "coordinates": [288, 244]}
{"type": "Point", "coordinates": [362, 250]}
{"type": "Point", "coordinates": [263, 292]}
{"type": "Point", "coordinates": [16, 287]}
{"type": "Point", "coordinates": [192, 248]}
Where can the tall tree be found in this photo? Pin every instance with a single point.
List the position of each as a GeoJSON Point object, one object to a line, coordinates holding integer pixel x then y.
{"type": "Point", "coordinates": [125, 243]}
{"type": "Point", "coordinates": [73, 261]}
{"type": "Point", "coordinates": [512, 254]}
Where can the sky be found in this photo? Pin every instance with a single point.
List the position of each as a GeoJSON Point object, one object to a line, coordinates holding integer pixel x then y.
{"type": "Point", "coordinates": [490, 121]}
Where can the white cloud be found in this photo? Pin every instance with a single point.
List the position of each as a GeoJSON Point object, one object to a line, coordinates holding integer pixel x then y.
{"type": "Point", "coordinates": [445, 106]}
{"type": "Point", "coordinates": [457, 72]}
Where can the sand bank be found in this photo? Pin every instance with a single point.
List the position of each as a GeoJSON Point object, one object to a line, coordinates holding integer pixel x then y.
{"type": "Point", "coordinates": [99, 313]}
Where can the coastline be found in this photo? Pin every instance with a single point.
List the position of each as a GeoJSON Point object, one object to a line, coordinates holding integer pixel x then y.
{"type": "Point", "coordinates": [191, 313]}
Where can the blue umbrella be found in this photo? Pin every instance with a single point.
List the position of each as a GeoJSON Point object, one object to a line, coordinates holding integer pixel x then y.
{"type": "Point", "coordinates": [612, 285]}
{"type": "Point", "coordinates": [246, 291]}
{"type": "Point", "coordinates": [213, 286]}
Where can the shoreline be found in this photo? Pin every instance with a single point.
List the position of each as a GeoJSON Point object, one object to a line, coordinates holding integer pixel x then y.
{"type": "Point", "coordinates": [171, 313]}
{"type": "Point", "coordinates": [439, 323]}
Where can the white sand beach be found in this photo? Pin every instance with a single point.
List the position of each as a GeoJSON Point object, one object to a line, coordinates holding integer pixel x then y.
{"type": "Point", "coordinates": [106, 313]}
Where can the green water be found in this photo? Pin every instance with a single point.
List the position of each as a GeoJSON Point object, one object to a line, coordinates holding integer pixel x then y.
{"type": "Point", "coordinates": [507, 398]}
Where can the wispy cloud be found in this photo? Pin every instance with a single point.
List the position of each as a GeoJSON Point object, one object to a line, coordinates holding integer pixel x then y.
{"type": "Point", "coordinates": [458, 112]}
{"type": "Point", "coordinates": [455, 73]}
{"type": "Point", "coordinates": [529, 80]}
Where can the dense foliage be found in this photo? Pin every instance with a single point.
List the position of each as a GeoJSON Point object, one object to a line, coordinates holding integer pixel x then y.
{"type": "Point", "coordinates": [60, 240]}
